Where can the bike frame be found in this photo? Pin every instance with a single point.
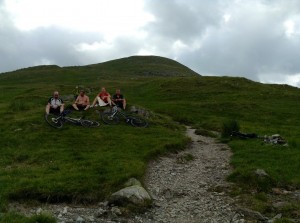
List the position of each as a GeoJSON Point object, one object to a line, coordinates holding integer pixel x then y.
{"type": "Point", "coordinates": [72, 120]}
{"type": "Point", "coordinates": [115, 111]}
{"type": "Point", "coordinates": [57, 121]}
{"type": "Point", "coordinates": [112, 117]}
{"type": "Point", "coordinates": [68, 119]}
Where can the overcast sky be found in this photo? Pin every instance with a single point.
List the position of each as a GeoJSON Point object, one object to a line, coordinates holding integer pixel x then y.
{"type": "Point", "coordinates": [256, 39]}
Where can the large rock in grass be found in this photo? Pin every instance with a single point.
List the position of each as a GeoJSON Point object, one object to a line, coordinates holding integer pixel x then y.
{"type": "Point", "coordinates": [140, 111]}
{"type": "Point", "coordinates": [132, 194]}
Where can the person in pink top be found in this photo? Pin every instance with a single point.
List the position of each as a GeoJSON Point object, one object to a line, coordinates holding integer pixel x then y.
{"type": "Point", "coordinates": [82, 101]}
{"type": "Point", "coordinates": [103, 98]}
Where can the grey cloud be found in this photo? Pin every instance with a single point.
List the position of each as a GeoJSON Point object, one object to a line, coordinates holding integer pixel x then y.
{"type": "Point", "coordinates": [8, 37]}
{"type": "Point", "coordinates": [181, 20]}
{"type": "Point", "coordinates": [24, 49]}
{"type": "Point", "coordinates": [121, 47]}
{"type": "Point", "coordinates": [20, 49]}
{"type": "Point", "coordinates": [253, 42]}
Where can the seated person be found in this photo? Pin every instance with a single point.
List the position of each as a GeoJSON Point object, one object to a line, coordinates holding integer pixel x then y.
{"type": "Point", "coordinates": [119, 99]}
{"type": "Point", "coordinates": [55, 104]}
{"type": "Point", "coordinates": [103, 98]}
{"type": "Point", "coordinates": [82, 101]}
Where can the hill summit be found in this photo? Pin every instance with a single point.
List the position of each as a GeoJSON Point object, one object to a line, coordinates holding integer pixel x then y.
{"type": "Point", "coordinates": [147, 66]}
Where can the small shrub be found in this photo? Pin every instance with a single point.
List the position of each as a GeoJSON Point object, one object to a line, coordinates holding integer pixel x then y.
{"type": "Point", "coordinates": [230, 126]}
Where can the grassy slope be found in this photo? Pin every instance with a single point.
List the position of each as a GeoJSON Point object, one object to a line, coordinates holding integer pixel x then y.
{"type": "Point", "coordinates": [75, 164]}
{"type": "Point", "coordinates": [259, 108]}
{"type": "Point", "coordinates": [86, 164]}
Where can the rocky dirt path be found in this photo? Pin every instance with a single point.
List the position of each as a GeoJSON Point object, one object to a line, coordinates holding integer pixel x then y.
{"type": "Point", "coordinates": [186, 187]}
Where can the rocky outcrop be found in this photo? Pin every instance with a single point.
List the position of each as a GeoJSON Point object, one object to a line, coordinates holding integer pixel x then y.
{"type": "Point", "coordinates": [275, 139]}
{"type": "Point", "coordinates": [132, 194]}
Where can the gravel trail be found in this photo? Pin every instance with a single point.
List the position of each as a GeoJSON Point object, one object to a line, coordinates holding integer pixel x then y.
{"type": "Point", "coordinates": [187, 187]}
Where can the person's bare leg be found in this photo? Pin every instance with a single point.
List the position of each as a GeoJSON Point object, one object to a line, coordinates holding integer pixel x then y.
{"type": "Point", "coordinates": [124, 104]}
{"type": "Point", "coordinates": [47, 109]}
{"type": "Point", "coordinates": [62, 108]}
{"type": "Point", "coordinates": [109, 101]}
{"type": "Point", "coordinates": [75, 107]}
{"type": "Point", "coordinates": [94, 102]}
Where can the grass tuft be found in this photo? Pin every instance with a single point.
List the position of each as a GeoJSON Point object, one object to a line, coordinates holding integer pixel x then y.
{"type": "Point", "coordinates": [228, 127]}
{"type": "Point", "coordinates": [249, 180]}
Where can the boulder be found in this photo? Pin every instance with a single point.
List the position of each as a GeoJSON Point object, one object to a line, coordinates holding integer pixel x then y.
{"type": "Point", "coordinates": [140, 111]}
{"type": "Point", "coordinates": [135, 194]}
{"type": "Point", "coordinates": [275, 139]}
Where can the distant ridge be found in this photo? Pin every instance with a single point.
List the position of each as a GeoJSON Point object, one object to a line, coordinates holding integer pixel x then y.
{"type": "Point", "coordinates": [148, 66]}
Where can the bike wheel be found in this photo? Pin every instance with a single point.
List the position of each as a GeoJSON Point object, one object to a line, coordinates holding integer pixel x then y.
{"type": "Point", "coordinates": [109, 118]}
{"type": "Point", "coordinates": [54, 120]}
{"type": "Point", "coordinates": [138, 122]}
{"type": "Point", "coordinates": [88, 123]}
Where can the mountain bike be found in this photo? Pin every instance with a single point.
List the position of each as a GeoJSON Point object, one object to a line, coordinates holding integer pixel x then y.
{"type": "Point", "coordinates": [113, 117]}
{"type": "Point", "coordinates": [57, 121]}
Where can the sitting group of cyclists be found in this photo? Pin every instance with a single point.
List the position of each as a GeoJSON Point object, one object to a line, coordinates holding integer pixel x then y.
{"type": "Point", "coordinates": [82, 102]}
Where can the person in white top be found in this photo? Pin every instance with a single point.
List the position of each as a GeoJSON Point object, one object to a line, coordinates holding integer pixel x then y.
{"type": "Point", "coordinates": [55, 104]}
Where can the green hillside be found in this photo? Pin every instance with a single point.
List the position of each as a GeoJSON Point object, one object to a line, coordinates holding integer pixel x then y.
{"type": "Point", "coordinates": [78, 164]}
{"type": "Point", "coordinates": [135, 66]}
